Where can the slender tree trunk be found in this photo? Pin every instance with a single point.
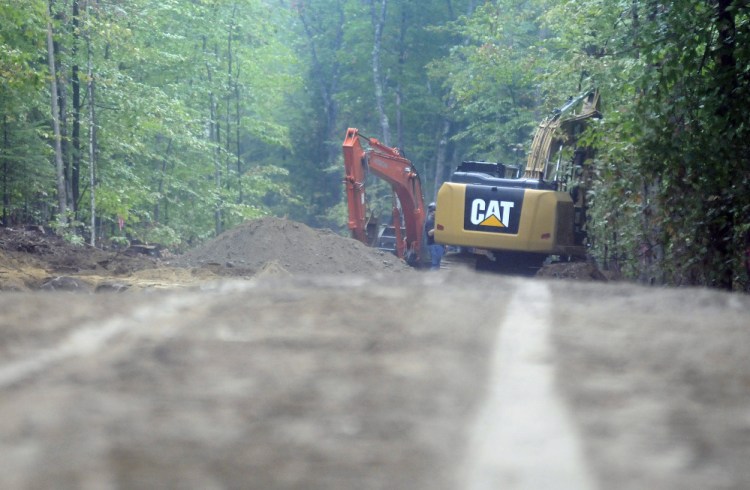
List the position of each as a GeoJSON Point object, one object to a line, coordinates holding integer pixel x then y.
{"type": "Point", "coordinates": [92, 135]}
{"type": "Point", "coordinates": [6, 191]}
{"type": "Point", "coordinates": [399, 90]}
{"type": "Point", "coordinates": [635, 18]}
{"type": "Point", "coordinates": [651, 250]}
{"type": "Point", "coordinates": [75, 82]}
{"type": "Point", "coordinates": [238, 119]}
{"type": "Point", "coordinates": [214, 137]}
{"type": "Point", "coordinates": [92, 147]}
{"type": "Point", "coordinates": [228, 97]}
{"type": "Point", "coordinates": [721, 227]}
{"type": "Point", "coordinates": [162, 178]}
{"type": "Point", "coordinates": [446, 127]}
{"type": "Point", "coordinates": [378, 22]}
{"type": "Point", "coordinates": [442, 152]}
{"type": "Point", "coordinates": [328, 81]}
{"type": "Point", "coordinates": [62, 202]}
{"type": "Point", "coordinates": [62, 104]}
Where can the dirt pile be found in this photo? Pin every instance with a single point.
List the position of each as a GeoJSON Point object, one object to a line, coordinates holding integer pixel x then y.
{"type": "Point", "coordinates": [279, 246]}
{"type": "Point", "coordinates": [32, 258]}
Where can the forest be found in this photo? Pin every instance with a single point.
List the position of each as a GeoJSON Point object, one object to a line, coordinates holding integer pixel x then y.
{"type": "Point", "coordinates": [170, 121]}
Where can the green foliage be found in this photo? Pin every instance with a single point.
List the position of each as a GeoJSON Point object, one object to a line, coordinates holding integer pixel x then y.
{"type": "Point", "coordinates": [490, 77]}
{"type": "Point", "coordinates": [68, 230]}
{"type": "Point", "coordinates": [670, 194]}
{"type": "Point", "coordinates": [23, 130]}
{"type": "Point", "coordinates": [164, 73]}
{"type": "Point", "coordinates": [164, 235]}
{"type": "Point", "coordinates": [212, 112]}
{"type": "Point", "coordinates": [673, 150]}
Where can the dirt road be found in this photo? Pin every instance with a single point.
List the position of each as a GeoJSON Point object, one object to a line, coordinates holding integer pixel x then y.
{"type": "Point", "coordinates": [444, 380]}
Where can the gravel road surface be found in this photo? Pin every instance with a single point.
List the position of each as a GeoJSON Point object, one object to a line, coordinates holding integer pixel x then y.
{"type": "Point", "coordinates": [447, 380]}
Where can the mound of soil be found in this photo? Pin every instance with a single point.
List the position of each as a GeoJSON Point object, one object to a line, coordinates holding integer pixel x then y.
{"type": "Point", "coordinates": [279, 246]}
{"type": "Point", "coordinates": [32, 258]}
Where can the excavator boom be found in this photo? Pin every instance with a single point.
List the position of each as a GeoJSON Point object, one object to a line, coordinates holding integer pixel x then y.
{"type": "Point", "coordinates": [390, 165]}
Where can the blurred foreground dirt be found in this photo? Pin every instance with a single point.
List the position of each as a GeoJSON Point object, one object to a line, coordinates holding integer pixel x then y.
{"type": "Point", "coordinates": [231, 367]}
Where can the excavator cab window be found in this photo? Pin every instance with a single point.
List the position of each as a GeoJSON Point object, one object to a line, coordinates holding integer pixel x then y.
{"type": "Point", "coordinates": [495, 169]}
{"type": "Point", "coordinates": [497, 174]}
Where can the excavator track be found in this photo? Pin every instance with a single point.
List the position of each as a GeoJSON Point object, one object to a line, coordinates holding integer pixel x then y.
{"type": "Point", "coordinates": [507, 263]}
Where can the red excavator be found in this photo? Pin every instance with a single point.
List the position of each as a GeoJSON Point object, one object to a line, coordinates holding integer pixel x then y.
{"type": "Point", "coordinates": [362, 156]}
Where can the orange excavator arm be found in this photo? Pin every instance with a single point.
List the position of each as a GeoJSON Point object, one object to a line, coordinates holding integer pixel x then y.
{"type": "Point", "coordinates": [390, 165]}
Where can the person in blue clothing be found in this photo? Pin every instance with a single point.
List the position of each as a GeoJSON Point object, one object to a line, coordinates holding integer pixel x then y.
{"type": "Point", "coordinates": [436, 249]}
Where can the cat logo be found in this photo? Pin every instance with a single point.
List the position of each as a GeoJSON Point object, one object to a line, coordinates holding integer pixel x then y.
{"type": "Point", "coordinates": [491, 213]}
{"type": "Point", "coordinates": [489, 210]}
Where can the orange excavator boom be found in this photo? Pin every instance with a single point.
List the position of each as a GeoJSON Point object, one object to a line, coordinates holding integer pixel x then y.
{"type": "Point", "coordinates": [390, 165]}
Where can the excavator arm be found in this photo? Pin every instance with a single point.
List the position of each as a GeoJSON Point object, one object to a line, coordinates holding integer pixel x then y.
{"type": "Point", "coordinates": [390, 165]}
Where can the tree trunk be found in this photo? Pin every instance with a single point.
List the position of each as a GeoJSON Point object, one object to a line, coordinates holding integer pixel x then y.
{"type": "Point", "coordinates": [228, 98]}
{"type": "Point", "coordinates": [651, 250]}
{"type": "Point", "coordinates": [6, 191]}
{"type": "Point", "coordinates": [440, 159]}
{"type": "Point", "coordinates": [328, 82]}
{"type": "Point", "coordinates": [92, 134]}
{"type": "Point", "coordinates": [441, 155]}
{"type": "Point", "coordinates": [378, 22]}
{"type": "Point", "coordinates": [62, 104]}
{"type": "Point", "coordinates": [238, 119]}
{"type": "Point", "coordinates": [162, 178]}
{"type": "Point", "coordinates": [214, 137]}
{"type": "Point", "coordinates": [75, 82]}
{"type": "Point", "coordinates": [62, 202]}
{"type": "Point", "coordinates": [399, 91]}
{"type": "Point", "coordinates": [721, 227]}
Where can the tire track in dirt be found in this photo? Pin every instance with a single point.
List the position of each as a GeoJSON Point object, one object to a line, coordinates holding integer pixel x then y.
{"type": "Point", "coordinates": [524, 438]}
{"type": "Point", "coordinates": [91, 337]}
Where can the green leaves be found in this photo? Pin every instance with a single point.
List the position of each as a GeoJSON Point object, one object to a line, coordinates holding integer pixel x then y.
{"type": "Point", "coordinates": [491, 77]}
{"type": "Point", "coordinates": [236, 108]}
{"type": "Point", "coordinates": [672, 136]}
{"type": "Point", "coordinates": [164, 72]}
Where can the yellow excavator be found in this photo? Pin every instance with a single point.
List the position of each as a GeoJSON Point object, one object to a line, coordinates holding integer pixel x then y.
{"type": "Point", "coordinates": [513, 219]}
